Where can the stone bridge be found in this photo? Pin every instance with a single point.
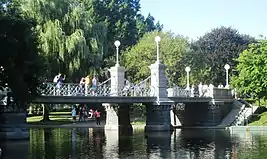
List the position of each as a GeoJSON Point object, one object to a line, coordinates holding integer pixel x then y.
{"type": "Point", "coordinates": [166, 103]}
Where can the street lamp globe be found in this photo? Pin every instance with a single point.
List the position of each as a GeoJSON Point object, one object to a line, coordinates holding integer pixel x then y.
{"type": "Point", "coordinates": [117, 43]}
{"type": "Point", "coordinates": [187, 69]}
{"type": "Point", "coordinates": [157, 39]}
{"type": "Point", "coordinates": [227, 67]}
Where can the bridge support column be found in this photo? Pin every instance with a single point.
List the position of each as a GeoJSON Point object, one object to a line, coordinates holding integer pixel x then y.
{"type": "Point", "coordinates": [158, 113]}
{"type": "Point", "coordinates": [158, 117]}
{"type": "Point", "coordinates": [118, 118]}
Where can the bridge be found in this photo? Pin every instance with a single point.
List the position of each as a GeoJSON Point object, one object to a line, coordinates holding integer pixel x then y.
{"type": "Point", "coordinates": [166, 103]}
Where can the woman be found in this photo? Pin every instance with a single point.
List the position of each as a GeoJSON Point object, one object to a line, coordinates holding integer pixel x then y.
{"type": "Point", "coordinates": [97, 115]}
{"type": "Point", "coordinates": [94, 86]}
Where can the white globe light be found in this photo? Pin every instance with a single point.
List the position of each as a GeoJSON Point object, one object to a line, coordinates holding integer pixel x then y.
{"type": "Point", "coordinates": [227, 67]}
{"type": "Point", "coordinates": [187, 69]}
{"type": "Point", "coordinates": [157, 39]}
{"type": "Point", "coordinates": [117, 43]}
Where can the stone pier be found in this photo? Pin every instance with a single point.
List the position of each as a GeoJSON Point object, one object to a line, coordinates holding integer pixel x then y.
{"type": "Point", "coordinates": [158, 113]}
{"type": "Point", "coordinates": [118, 118]}
{"type": "Point", "coordinates": [117, 115]}
{"type": "Point", "coordinates": [158, 117]}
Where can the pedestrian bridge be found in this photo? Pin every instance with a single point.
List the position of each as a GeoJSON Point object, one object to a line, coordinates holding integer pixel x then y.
{"type": "Point", "coordinates": [141, 92]}
{"type": "Point", "coordinates": [166, 103]}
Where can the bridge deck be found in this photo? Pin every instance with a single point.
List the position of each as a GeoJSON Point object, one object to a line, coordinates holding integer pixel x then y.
{"type": "Point", "coordinates": [110, 99]}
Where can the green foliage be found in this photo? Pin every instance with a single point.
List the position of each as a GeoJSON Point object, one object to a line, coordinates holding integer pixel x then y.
{"type": "Point", "coordinates": [123, 22]}
{"type": "Point", "coordinates": [19, 57]}
{"type": "Point", "coordinates": [75, 35]}
{"type": "Point", "coordinates": [212, 51]}
{"type": "Point", "coordinates": [252, 71]}
{"type": "Point", "coordinates": [68, 38]}
{"type": "Point", "coordinates": [139, 57]}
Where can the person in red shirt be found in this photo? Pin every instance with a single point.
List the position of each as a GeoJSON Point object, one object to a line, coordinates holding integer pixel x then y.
{"type": "Point", "coordinates": [97, 115]}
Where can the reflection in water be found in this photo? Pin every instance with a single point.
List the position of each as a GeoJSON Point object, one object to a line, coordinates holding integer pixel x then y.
{"type": "Point", "coordinates": [92, 143]}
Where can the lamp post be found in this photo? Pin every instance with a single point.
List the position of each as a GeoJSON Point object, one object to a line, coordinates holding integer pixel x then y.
{"type": "Point", "coordinates": [187, 69]}
{"type": "Point", "coordinates": [227, 67]}
{"type": "Point", "coordinates": [117, 43]}
{"type": "Point", "coordinates": [157, 40]}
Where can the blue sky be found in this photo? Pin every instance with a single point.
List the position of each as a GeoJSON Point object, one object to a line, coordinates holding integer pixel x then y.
{"type": "Point", "coordinates": [193, 18]}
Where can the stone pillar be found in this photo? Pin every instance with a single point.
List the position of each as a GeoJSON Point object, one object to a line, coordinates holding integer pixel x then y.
{"type": "Point", "coordinates": [158, 113]}
{"type": "Point", "coordinates": [158, 80]}
{"type": "Point", "coordinates": [117, 79]}
{"type": "Point", "coordinates": [125, 127]}
{"type": "Point", "coordinates": [118, 118]}
{"type": "Point", "coordinates": [112, 121]}
{"type": "Point", "coordinates": [158, 117]}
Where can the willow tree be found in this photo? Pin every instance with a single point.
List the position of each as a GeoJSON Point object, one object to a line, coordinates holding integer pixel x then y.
{"type": "Point", "coordinates": [71, 42]}
{"type": "Point", "coordinates": [69, 38]}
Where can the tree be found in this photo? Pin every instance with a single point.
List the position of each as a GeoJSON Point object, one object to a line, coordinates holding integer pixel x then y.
{"type": "Point", "coordinates": [252, 71]}
{"type": "Point", "coordinates": [212, 51]}
{"type": "Point", "coordinates": [71, 42]}
{"type": "Point", "coordinates": [136, 59]}
{"type": "Point", "coordinates": [145, 25]}
{"type": "Point", "coordinates": [20, 60]}
{"type": "Point", "coordinates": [123, 22]}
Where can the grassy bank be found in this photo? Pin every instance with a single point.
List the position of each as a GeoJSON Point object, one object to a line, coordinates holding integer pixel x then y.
{"type": "Point", "coordinates": [60, 118]}
{"type": "Point", "coordinates": [262, 120]}
{"type": "Point", "coordinates": [56, 118]}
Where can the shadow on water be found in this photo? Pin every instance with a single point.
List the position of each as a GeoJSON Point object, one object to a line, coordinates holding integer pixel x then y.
{"type": "Point", "coordinates": [92, 143]}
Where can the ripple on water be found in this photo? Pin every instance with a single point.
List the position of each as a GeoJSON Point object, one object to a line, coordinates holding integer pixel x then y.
{"type": "Point", "coordinates": [64, 143]}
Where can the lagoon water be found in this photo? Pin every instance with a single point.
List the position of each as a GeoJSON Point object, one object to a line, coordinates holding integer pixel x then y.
{"type": "Point", "coordinates": [83, 143]}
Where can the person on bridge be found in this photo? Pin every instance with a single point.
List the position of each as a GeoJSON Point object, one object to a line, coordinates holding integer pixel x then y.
{"type": "Point", "coordinates": [82, 85]}
{"type": "Point", "coordinates": [59, 80]}
{"type": "Point", "coordinates": [94, 85]}
{"type": "Point", "coordinates": [87, 84]}
{"type": "Point", "coordinates": [97, 115]}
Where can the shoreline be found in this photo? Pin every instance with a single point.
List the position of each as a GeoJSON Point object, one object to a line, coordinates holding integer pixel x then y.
{"type": "Point", "coordinates": [137, 126]}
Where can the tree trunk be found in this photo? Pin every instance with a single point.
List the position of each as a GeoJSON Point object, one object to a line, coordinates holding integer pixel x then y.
{"type": "Point", "coordinates": [45, 112]}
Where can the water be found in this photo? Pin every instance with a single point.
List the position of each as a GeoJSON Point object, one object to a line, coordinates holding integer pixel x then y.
{"type": "Point", "coordinates": [61, 143]}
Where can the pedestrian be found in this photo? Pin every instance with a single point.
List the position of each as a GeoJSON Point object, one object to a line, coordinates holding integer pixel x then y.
{"type": "Point", "coordinates": [73, 113]}
{"type": "Point", "coordinates": [97, 115]}
{"type": "Point", "coordinates": [58, 79]}
{"type": "Point", "coordinates": [81, 118]}
{"type": "Point", "coordinates": [88, 82]}
{"type": "Point", "coordinates": [94, 86]}
{"type": "Point", "coordinates": [82, 85]}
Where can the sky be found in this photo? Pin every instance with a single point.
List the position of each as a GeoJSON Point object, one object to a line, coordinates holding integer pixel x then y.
{"type": "Point", "coordinates": [193, 18]}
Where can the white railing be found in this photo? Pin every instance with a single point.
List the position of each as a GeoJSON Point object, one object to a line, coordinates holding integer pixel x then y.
{"type": "Point", "coordinates": [103, 89]}
{"type": "Point", "coordinates": [176, 91]}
